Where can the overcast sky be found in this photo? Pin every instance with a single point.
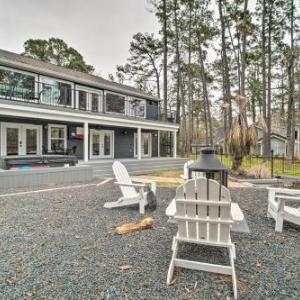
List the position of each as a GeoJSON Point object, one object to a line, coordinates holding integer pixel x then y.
{"type": "Point", "coordinates": [100, 30]}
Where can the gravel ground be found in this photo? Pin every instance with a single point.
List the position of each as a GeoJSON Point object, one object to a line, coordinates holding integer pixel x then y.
{"type": "Point", "coordinates": [60, 245]}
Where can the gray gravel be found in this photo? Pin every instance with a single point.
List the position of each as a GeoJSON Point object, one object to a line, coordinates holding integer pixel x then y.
{"type": "Point", "coordinates": [60, 245]}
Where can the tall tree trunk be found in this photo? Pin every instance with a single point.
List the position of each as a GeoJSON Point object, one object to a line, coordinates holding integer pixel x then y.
{"type": "Point", "coordinates": [264, 96]}
{"type": "Point", "coordinates": [243, 56]}
{"type": "Point", "coordinates": [291, 102]}
{"type": "Point", "coordinates": [225, 65]}
{"type": "Point", "coordinates": [190, 99]}
{"type": "Point", "coordinates": [237, 59]}
{"type": "Point", "coordinates": [183, 130]}
{"type": "Point", "coordinates": [205, 93]}
{"type": "Point", "coordinates": [243, 52]}
{"type": "Point", "coordinates": [165, 47]}
{"type": "Point", "coordinates": [282, 108]}
{"type": "Point", "coordinates": [269, 117]}
{"type": "Point", "coordinates": [177, 60]}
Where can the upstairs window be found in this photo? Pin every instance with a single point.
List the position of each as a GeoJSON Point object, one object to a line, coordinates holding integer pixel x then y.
{"type": "Point", "coordinates": [56, 92]}
{"type": "Point", "coordinates": [115, 103]}
{"type": "Point", "coordinates": [82, 100]}
{"type": "Point", "coordinates": [18, 85]}
{"type": "Point", "coordinates": [95, 102]}
{"type": "Point", "coordinates": [138, 108]}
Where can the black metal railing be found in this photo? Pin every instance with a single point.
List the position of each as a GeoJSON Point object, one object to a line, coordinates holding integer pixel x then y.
{"type": "Point", "coordinates": [278, 165]}
{"type": "Point", "coordinates": [61, 95]}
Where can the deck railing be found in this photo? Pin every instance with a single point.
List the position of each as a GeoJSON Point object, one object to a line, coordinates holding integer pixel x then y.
{"type": "Point", "coordinates": [62, 96]}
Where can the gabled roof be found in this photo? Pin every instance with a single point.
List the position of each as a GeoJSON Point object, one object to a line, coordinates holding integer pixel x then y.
{"type": "Point", "coordinates": [21, 62]}
{"type": "Point", "coordinates": [276, 136]}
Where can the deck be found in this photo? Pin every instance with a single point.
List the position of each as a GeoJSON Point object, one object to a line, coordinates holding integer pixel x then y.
{"type": "Point", "coordinates": [103, 168]}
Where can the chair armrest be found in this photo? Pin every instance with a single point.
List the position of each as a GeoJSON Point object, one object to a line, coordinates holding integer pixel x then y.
{"type": "Point", "coordinates": [144, 180]}
{"type": "Point", "coordinates": [138, 185]}
{"type": "Point", "coordinates": [284, 191]}
{"type": "Point", "coordinates": [291, 198]}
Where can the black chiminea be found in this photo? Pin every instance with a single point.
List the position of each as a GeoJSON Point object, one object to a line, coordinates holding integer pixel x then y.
{"type": "Point", "coordinates": [210, 165]}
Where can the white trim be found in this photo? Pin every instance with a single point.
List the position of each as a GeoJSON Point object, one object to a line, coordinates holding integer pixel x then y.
{"type": "Point", "coordinates": [101, 133]}
{"type": "Point", "coordinates": [139, 99]}
{"type": "Point", "coordinates": [78, 117]}
{"type": "Point", "coordinates": [43, 80]}
{"type": "Point", "coordinates": [21, 137]}
{"type": "Point", "coordinates": [89, 92]}
{"type": "Point", "coordinates": [50, 126]}
{"type": "Point", "coordinates": [36, 86]}
{"type": "Point", "coordinates": [142, 148]}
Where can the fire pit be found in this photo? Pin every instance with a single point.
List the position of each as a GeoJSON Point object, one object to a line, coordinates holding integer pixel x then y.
{"type": "Point", "coordinates": [210, 166]}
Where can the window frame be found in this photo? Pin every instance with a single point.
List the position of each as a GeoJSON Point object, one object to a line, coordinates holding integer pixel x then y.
{"type": "Point", "coordinates": [36, 78]}
{"type": "Point", "coordinates": [125, 103]}
{"type": "Point", "coordinates": [50, 126]}
{"type": "Point", "coordinates": [89, 92]}
{"type": "Point", "coordinates": [43, 80]}
{"type": "Point", "coordinates": [145, 106]}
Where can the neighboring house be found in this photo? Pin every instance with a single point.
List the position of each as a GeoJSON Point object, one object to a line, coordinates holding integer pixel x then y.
{"type": "Point", "coordinates": [45, 108]}
{"type": "Point", "coordinates": [279, 141]}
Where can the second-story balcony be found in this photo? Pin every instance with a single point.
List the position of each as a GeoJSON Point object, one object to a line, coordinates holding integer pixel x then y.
{"type": "Point", "coordinates": [58, 94]}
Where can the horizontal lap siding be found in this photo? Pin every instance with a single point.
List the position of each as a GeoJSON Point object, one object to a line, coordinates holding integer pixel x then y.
{"type": "Point", "coordinates": [124, 143]}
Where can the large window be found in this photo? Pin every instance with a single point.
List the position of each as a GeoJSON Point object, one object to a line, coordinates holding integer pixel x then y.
{"type": "Point", "coordinates": [56, 92]}
{"type": "Point", "coordinates": [57, 138]}
{"type": "Point", "coordinates": [15, 84]}
{"type": "Point", "coordinates": [89, 99]}
{"type": "Point", "coordinates": [138, 108]}
{"type": "Point", "coordinates": [115, 103]}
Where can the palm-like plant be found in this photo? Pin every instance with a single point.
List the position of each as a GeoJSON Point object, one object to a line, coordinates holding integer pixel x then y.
{"type": "Point", "coordinates": [241, 138]}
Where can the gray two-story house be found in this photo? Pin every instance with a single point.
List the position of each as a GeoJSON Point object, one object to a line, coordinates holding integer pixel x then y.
{"type": "Point", "coordinates": [46, 109]}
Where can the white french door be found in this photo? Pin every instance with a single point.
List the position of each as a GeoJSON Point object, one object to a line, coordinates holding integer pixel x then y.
{"type": "Point", "coordinates": [21, 139]}
{"type": "Point", "coordinates": [146, 144]}
{"type": "Point", "coordinates": [101, 143]}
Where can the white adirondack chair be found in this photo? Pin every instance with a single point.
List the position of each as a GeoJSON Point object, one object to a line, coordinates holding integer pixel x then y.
{"type": "Point", "coordinates": [281, 212]}
{"type": "Point", "coordinates": [128, 189]}
{"type": "Point", "coordinates": [203, 217]}
{"type": "Point", "coordinates": [185, 175]}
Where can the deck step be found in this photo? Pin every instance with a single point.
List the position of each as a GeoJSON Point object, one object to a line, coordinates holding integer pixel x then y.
{"type": "Point", "coordinates": [137, 167]}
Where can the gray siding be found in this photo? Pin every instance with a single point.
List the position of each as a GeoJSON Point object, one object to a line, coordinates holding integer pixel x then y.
{"type": "Point", "coordinates": [123, 138]}
{"type": "Point", "coordinates": [124, 143]}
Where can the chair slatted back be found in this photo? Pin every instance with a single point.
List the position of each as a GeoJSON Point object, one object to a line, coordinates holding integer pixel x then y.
{"type": "Point", "coordinates": [203, 211]}
{"type": "Point", "coordinates": [122, 176]}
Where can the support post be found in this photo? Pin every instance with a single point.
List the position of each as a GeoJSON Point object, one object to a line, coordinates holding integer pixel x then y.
{"type": "Point", "coordinates": [158, 143]}
{"type": "Point", "coordinates": [174, 144]}
{"type": "Point", "coordinates": [139, 143]}
{"type": "Point", "coordinates": [86, 141]}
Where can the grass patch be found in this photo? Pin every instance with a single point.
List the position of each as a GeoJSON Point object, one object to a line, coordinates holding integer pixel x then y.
{"type": "Point", "coordinates": [168, 174]}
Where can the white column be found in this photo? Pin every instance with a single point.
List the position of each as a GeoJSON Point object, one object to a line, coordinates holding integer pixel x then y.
{"type": "Point", "coordinates": [86, 141]}
{"type": "Point", "coordinates": [158, 143]}
{"type": "Point", "coordinates": [174, 144]}
{"type": "Point", "coordinates": [139, 143]}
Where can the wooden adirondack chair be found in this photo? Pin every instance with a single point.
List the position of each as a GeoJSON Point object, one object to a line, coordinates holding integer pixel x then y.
{"type": "Point", "coordinates": [128, 189]}
{"type": "Point", "coordinates": [185, 175]}
{"type": "Point", "coordinates": [281, 212]}
{"type": "Point", "coordinates": [203, 217]}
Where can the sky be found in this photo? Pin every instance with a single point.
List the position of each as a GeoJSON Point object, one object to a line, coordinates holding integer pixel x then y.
{"type": "Point", "coordinates": [101, 30]}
